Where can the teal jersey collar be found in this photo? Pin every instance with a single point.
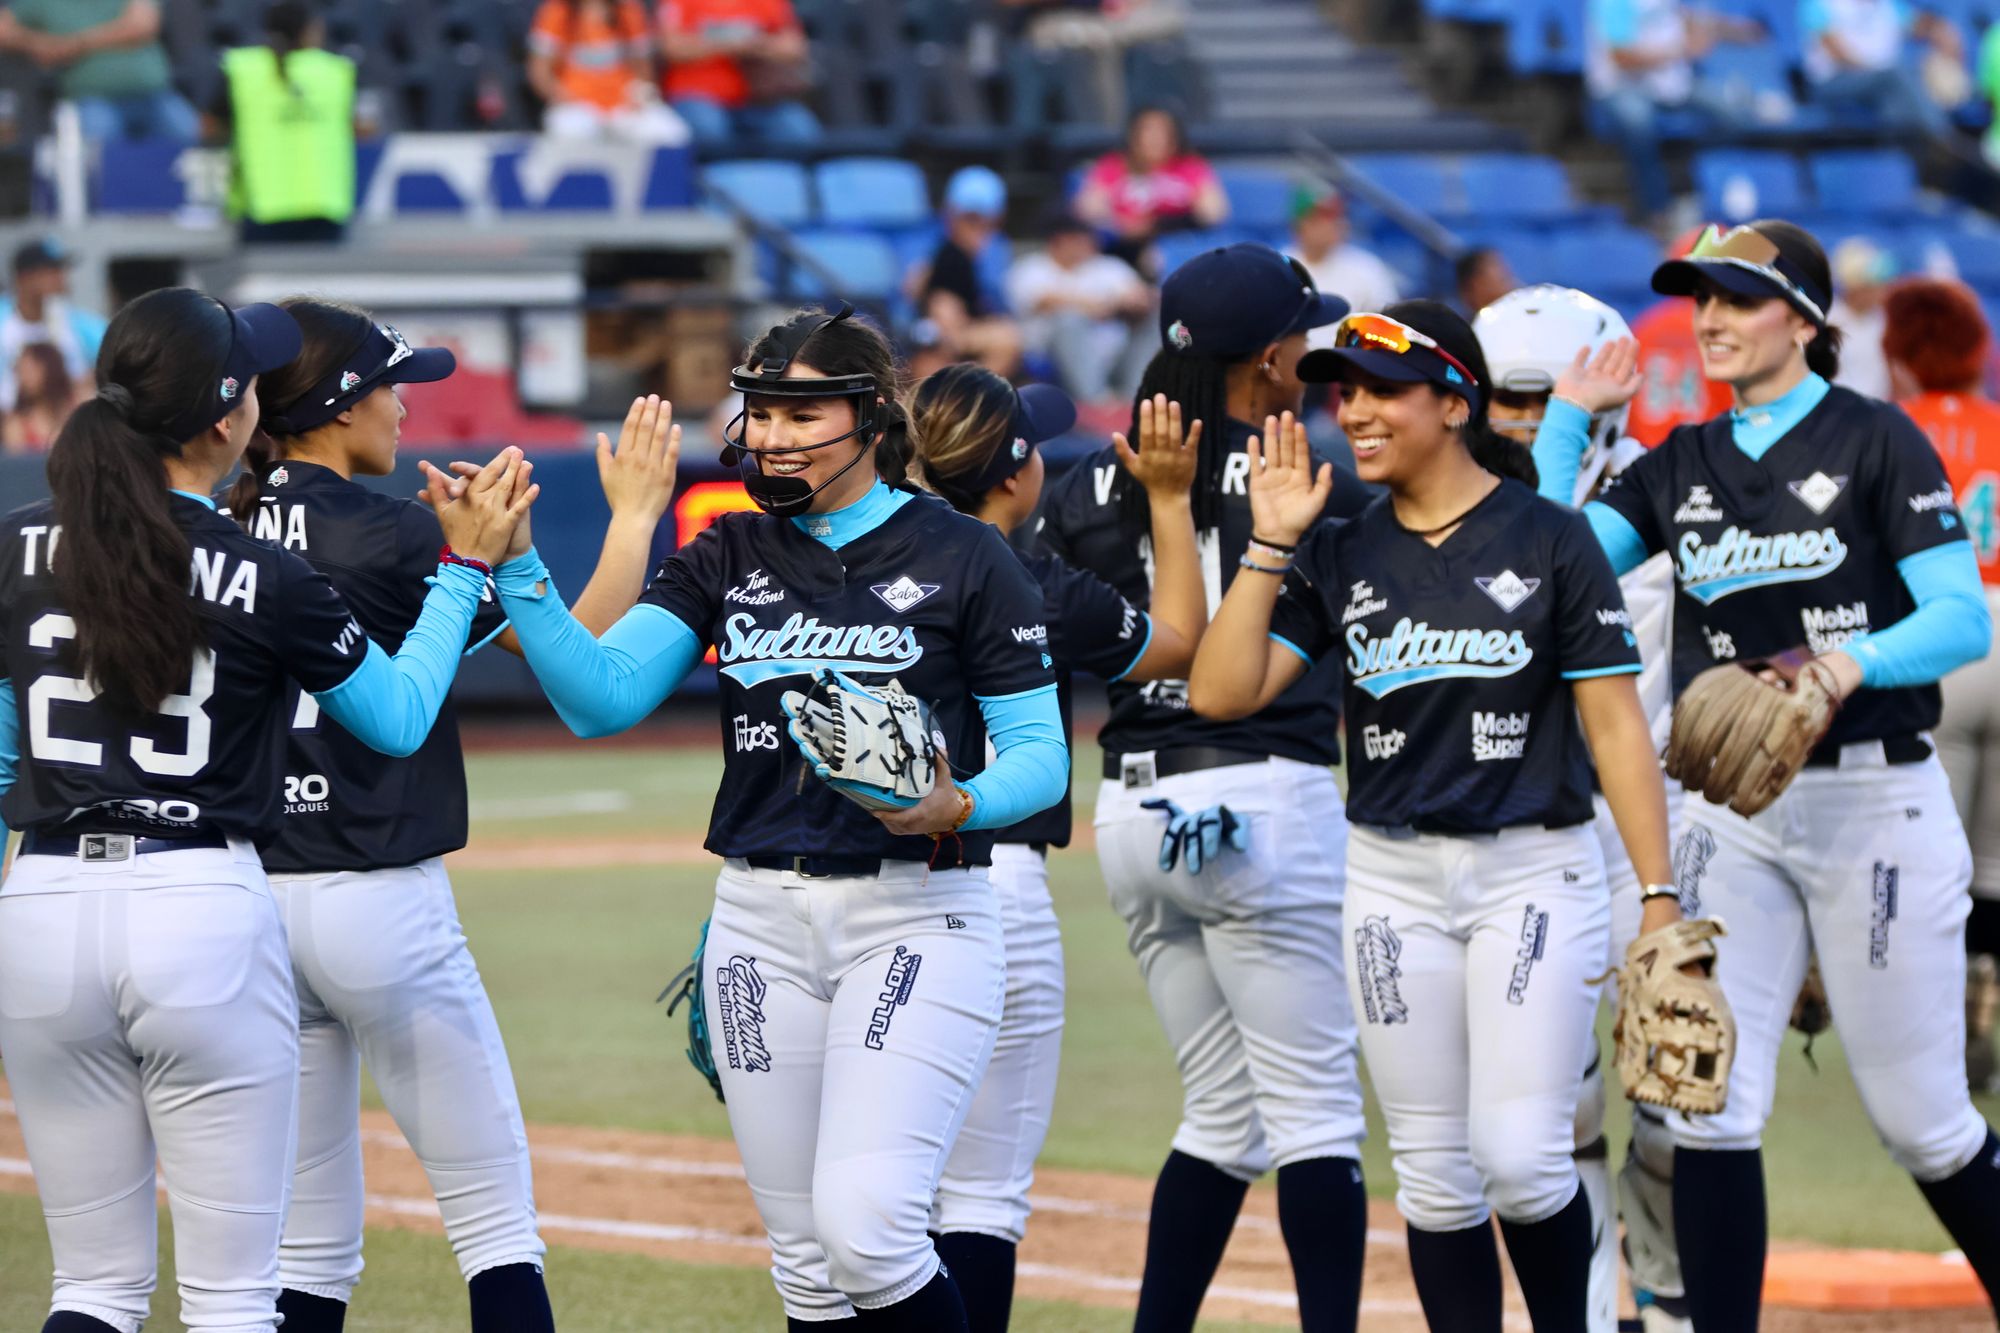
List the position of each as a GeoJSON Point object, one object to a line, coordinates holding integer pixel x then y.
{"type": "Point", "coordinates": [198, 499]}
{"type": "Point", "coordinates": [842, 526]}
{"type": "Point", "coordinates": [1756, 429]}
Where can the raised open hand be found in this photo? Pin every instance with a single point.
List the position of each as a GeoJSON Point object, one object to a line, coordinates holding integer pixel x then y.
{"type": "Point", "coordinates": [1609, 379]}
{"type": "Point", "coordinates": [638, 476]}
{"type": "Point", "coordinates": [1287, 494]}
{"type": "Point", "coordinates": [1166, 460]}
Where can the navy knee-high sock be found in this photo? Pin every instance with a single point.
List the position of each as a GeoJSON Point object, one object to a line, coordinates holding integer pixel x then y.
{"type": "Point", "coordinates": [983, 1268]}
{"type": "Point", "coordinates": [1323, 1214]}
{"type": "Point", "coordinates": [1968, 1203]}
{"type": "Point", "coordinates": [511, 1299]}
{"type": "Point", "coordinates": [1195, 1204]}
{"type": "Point", "coordinates": [69, 1321]}
{"type": "Point", "coordinates": [311, 1314]}
{"type": "Point", "coordinates": [1458, 1278]}
{"type": "Point", "coordinates": [935, 1307]}
{"type": "Point", "coordinates": [1552, 1260]}
{"type": "Point", "coordinates": [1720, 1228]}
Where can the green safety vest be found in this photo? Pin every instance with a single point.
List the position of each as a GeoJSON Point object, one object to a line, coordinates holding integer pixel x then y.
{"type": "Point", "coordinates": [294, 140]}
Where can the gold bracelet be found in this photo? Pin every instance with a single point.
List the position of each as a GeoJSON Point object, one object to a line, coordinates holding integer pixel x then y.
{"type": "Point", "coordinates": [965, 807]}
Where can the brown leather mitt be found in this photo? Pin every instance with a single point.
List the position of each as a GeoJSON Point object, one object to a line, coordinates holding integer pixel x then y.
{"type": "Point", "coordinates": [1740, 739]}
{"type": "Point", "coordinates": [1676, 1037]}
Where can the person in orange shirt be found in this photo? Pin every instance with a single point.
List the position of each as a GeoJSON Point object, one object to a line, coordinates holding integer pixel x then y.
{"type": "Point", "coordinates": [1674, 389]}
{"type": "Point", "coordinates": [1936, 343]}
{"type": "Point", "coordinates": [735, 69]}
{"type": "Point", "coordinates": [591, 63]}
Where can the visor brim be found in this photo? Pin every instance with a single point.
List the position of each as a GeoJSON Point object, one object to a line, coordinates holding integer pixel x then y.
{"type": "Point", "coordinates": [267, 337]}
{"type": "Point", "coordinates": [1334, 365]}
{"type": "Point", "coordinates": [1326, 309]}
{"type": "Point", "coordinates": [424, 365]}
{"type": "Point", "coordinates": [1683, 277]}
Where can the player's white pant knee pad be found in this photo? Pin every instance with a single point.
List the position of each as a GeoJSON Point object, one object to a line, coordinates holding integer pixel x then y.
{"type": "Point", "coordinates": [875, 1254]}
{"type": "Point", "coordinates": [1524, 1181]}
{"type": "Point", "coordinates": [1931, 1152]}
{"type": "Point", "coordinates": [1439, 1191]}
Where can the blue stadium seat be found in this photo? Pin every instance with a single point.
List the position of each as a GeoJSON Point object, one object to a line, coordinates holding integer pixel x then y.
{"type": "Point", "coordinates": [1614, 264]}
{"type": "Point", "coordinates": [1879, 182]}
{"type": "Point", "coordinates": [771, 191]}
{"type": "Point", "coordinates": [864, 263]}
{"type": "Point", "coordinates": [1260, 200]}
{"type": "Point", "coordinates": [1514, 186]}
{"type": "Point", "coordinates": [1526, 252]}
{"type": "Point", "coordinates": [1755, 79]}
{"type": "Point", "coordinates": [1546, 37]}
{"type": "Point", "coordinates": [1737, 185]}
{"type": "Point", "coordinates": [1176, 248]}
{"type": "Point", "coordinates": [1470, 11]}
{"type": "Point", "coordinates": [1415, 179]}
{"type": "Point", "coordinates": [874, 192]}
{"type": "Point", "coordinates": [1977, 254]}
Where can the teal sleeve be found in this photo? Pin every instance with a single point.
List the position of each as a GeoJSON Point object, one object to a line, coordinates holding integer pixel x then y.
{"type": "Point", "coordinates": [1620, 540]}
{"type": "Point", "coordinates": [10, 743]}
{"type": "Point", "coordinates": [1950, 627]}
{"type": "Point", "coordinates": [1559, 450]}
{"type": "Point", "coordinates": [1617, 21]}
{"type": "Point", "coordinates": [1030, 768]}
{"type": "Point", "coordinates": [389, 703]}
{"type": "Point", "coordinates": [1813, 17]}
{"type": "Point", "coordinates": [599, 686]}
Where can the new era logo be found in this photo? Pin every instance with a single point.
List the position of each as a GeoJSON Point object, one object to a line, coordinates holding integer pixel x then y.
{"type": "Point", "coordinates": [1818, 491]}
{"type": "Point", "coordinates": [904, 593]}
{"type": "Point", "coordinates": [1509, 589]}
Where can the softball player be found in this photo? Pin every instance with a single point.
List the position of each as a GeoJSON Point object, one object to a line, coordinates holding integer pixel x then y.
{"type": "Point", "coordinates": [1532, 338]}
{"type": "Point", "coordinates": [854, 970]}
{"type": "Point", "coordinates": [1936, 342]}
{"type": "Point", "coordinates": [146, 1001]}
{"type": "Point", "coordinates": [1478, 624]}
{"type": "Point", "coordinates": [1239, 948]}
{"type": "Point", "coordinates": [975, 437]}
{"type": "Point", "coordinates": [380, 961]}
{"type": "Point", "coordinates": [1810, 513]}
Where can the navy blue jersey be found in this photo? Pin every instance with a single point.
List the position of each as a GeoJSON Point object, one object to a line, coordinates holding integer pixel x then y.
{"type": "Point", "coordinates": [1797, 547]}
{"type": "Point", "coordinates": [209, 760]}
{"type": "Point", "coordinates": [348, 807]}
{"type": "Point", "coordinates": [1086, 522]}
{"type": "Point", "coordinates": [1091, 628]}
{"type": "Point", "coordinates": [1459, 657]}
{"type": "Point", "coordinates": [930, 598]}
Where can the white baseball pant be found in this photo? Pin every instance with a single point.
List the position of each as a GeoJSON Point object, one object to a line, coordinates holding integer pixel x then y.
{"type": "Point", "coordinates": [992, 1167]}
{"type": "Point", "coordinates": [1868, 862]}
{"type": "Point", "coordinates": [384, 977]}
{"type": "Point", "coordinates": [851, 1018]}
{"type": "Point", "coordinates": [146, 1008]}
{"type": "Point", "coordinates": [1474, 970]}
{"type": "Point", "coordinates": [1968, 741]}
{"type": "Point", "coordinates": [1243, 961]}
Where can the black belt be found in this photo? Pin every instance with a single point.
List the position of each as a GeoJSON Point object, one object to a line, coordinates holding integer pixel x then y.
{"type": "Point", "coordinates": [818, 867]}
{"type": "Point", "coordinates": [112, 846]}
{"type": "Point", "coordinates": [1908, 748]}
{"type": "Point", "coordinates": [1175, 761]}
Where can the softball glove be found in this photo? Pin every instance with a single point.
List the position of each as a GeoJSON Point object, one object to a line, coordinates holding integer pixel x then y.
{"type": "Point", "coordinates": [686, 985]}
{"type": "Point", "coordinates": [877, 746]}
{"type": "Point", "coordinates": [1676, 1037]}
{"type": "Point", "coordinates": [1740, 739]}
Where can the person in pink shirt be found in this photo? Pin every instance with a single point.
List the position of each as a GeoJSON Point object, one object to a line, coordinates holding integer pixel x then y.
{"type": "Point", "coordinates": [1154, 184]}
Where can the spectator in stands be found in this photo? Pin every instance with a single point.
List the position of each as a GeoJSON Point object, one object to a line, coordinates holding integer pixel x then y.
{"type": "Point", "coordinates": [1154, 184]}
{"type": "Point", "coordinates": [113, 67]}
{"type": "Point", "coordinates": [1107, 29]}
{"type": "Point", "coordinates": [44, 395]}
{"type": "Point", "coordinates": [1320, 241]}
{"type": "Point", "coordinates": [1854, 56]}
{"type": "Point", "coordinates": [736, 69]}
{"type": "Point", "coordinates": [1639, 62]}
{"type": "Point", "coordinates": [1674, 388]}
{"type": "Point", "coordinates": [40, 311]}
{"type": "Point", "coordinates": [972, 320]}
{"type": "Point", "coordinates": [1088, 312]}
{"type": "Point", "coordinates": [1861, 274]}
{"type": "Point", "coordinates": [289, 106]}
{"type": "Point", "coordinates": [1483, 276]}
{"type": "Point", "coordinates": [591, 63]}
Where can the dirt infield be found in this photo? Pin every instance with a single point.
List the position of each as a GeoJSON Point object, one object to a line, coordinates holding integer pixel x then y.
{"type": "Point", "coordinates": [684, 1198]}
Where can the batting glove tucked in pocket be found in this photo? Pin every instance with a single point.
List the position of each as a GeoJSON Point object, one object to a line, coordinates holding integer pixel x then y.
{"type": "Point", "coordinates": [1195, 840]}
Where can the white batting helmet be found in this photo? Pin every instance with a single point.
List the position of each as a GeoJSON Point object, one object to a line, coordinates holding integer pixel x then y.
{"type": "Point", "coordinates": [1532, 334]}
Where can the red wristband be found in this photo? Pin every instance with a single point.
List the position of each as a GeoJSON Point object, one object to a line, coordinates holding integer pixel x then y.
{"type": "Point", "coordinates": [447, 556]}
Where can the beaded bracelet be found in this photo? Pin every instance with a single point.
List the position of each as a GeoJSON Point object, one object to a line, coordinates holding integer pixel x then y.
{"type": "Point", "coordinates": [447, 556]}
{"type": "Point", "coordinates": [1256, 547]}
{"type": "Point", "coordinates": [1279, 570]}
{"type": "Point", "coordinates": [965, 806]}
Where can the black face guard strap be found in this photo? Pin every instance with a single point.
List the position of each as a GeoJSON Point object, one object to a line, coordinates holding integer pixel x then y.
{"type": "Point", "coordinates": [770, 377]}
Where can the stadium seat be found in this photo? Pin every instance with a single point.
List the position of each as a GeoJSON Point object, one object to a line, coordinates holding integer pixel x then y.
{"type": "Point", "coordinates": [1877, 182]}
{"type": "Point", "coordinates": [872, 192]}
{"type": "Point", "coordinates": [1737, 185]}
{"type": "Point", "coordinates": [774, 192]}
{"type": "Point", "coordinates": [1260, 200]}
{"type": "Point", "coordinates": [1977, 254]}
{"type": "Point", "coordinates": [1176, 248]}
{"type": "Point", "coordinates": [863, 264]}
{"type": "Point", "coordinates": [1516, 187]}
{"type": "Point", "coordinates": [1545, 37]}
{"type": "Point", "coordinates": [1755, 80]}
{"type": "Point", "coordinates": [1614, 264]}
{"type": "Point", "coordinates": [1415, 179]}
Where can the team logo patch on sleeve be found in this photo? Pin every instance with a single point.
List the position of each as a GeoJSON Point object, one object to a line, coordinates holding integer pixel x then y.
{"type": "Point", "coordinates": [1817, 491]}
{"type": "Point", "coordinates": [904, 593]}
{"type": "Point", "coordinates": [1508, 589]}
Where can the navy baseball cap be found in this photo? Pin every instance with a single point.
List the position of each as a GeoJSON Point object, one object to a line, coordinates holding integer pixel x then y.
{"type": "Point", "coordinates": [41, 253]}
{"type": "Point", "coordinates": [1041, 413]}
{"type": "Point", "coordinates": [261, 338]}
{"type": "Point", "coordinates": [384, 357]}
{"type": "Point", "coordinates": [1232, 302]}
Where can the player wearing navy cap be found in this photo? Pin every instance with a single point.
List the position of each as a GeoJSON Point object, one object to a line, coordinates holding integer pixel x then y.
{"type": "Point", "coordinates": [148, 646]}
{"type": "Point", "coordinates": [1484, 640]}
{"type": "Point", "coordinates": [853, 973]}
{"type": "Point", "coordinates": [975, 437]}
{"type": "Point", "coordinates": [357, 865]}
{"type": "Point", "coordinates": [1810, 515]}
{"type": "Point", "coordinates": [1239, 947]}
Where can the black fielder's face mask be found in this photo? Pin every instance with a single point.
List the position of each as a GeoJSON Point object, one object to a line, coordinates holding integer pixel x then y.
{"type": "Point", "coordinates": [771, 377]}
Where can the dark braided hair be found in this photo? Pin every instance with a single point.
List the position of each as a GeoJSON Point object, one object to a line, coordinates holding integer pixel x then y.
{"type": "Point", "coordinates": [1200, 384]}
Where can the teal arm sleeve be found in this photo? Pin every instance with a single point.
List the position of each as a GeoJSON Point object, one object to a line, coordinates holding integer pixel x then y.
{"type": "Point", "coordinates": [599, 687]}
{"type": "Point", "coordinates": [1030, 768]}
{"type": "Point", "coordinates": [389, 703]}
{"type": "Point", "coordinates": [1621, 541]}
{"type": "Point", "coordinates": [1950, 627]}
{"type": "Point", "coordinates": [1559, 450]}
{"type": "Point", "coordinates": [10, 743]}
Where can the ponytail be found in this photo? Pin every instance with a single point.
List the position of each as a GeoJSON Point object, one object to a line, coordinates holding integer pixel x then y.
{"type": "Point", "coordinates": [122, 567]}
{"type": "Point", "coordinates": [262, 451]}
{"type": "Point", "coordinates": [896, 459]}
{"type": "Point", "coordinates": [1823, 352]}
{"type": "Point", "coordinates": [1499, 454]}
